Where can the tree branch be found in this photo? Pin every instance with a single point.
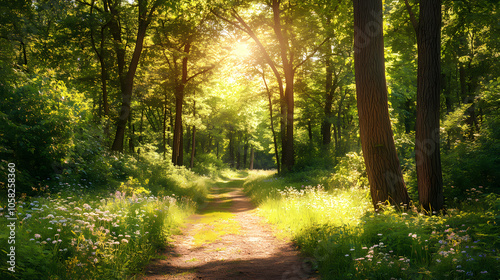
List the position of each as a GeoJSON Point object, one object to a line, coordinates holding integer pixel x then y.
{"type": "Point", "coordinates": [201, 72]}
{"type": "Point", "coordinates": [412, 16]}
{"type": "Point", "coordinates": [311, 54]}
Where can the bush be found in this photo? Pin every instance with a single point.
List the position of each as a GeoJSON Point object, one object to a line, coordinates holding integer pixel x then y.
{"type": "Point", "coordinates": [37, 121]}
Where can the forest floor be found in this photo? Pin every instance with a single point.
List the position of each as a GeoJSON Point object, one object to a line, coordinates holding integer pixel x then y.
{"type": "Point", "coordinates": [228, 240]}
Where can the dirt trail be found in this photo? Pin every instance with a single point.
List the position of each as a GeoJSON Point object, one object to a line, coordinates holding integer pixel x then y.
{"type": "Point", "coordinates": [227, 240]}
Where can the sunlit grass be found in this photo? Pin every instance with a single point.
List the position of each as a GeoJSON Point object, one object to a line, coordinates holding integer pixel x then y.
{"type": "Point", "coordinates": [67, 236]}
{"type": "Point", "coordinates": [214, 225]}
{"type": "Point", "coordinates": [348, 240]}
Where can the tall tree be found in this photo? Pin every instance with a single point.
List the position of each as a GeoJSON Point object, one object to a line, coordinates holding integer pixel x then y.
{"type": "Point", "coordinates": [146, 11]}
{"type": "Point", "coordinates": [427, 150]}
{"type": "Point", "coordinates": [379, 152]}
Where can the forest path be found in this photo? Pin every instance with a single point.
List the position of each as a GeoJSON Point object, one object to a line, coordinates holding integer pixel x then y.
{"type": "Point", "coordinates": [228, 240]}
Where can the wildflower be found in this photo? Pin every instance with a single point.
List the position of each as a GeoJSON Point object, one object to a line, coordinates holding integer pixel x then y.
{"type": "Point", "coordinates": [32, 239]}
{"type": "Point", "coordinates": [37, 235]}
{"type": "Point", "coordinates": [126, 241]}
{"type": "Point", "coordinates": [484, 272]}
{"type": "Point", "coordinates": [347, 255]}
{"type": "Point", "coordinates": [438, 260]}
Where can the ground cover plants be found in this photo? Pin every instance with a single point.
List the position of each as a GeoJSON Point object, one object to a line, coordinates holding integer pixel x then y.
{"type": "Point", "coordinates": [80, 229]}
{"type": "Point", "coordinates": [345, 239]}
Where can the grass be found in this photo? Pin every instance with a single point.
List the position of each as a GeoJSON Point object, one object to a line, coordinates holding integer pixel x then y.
{"type": "Point", "coordinates": [213, 225]}
{"type": "Point", "coordinates": [80, 231]}
{"type": "Point", "coordinates": [92, 237]}
{"type": "Point", "coordinates": [215, 220]}
{"type": "Point", "coordinates": [348, 240]}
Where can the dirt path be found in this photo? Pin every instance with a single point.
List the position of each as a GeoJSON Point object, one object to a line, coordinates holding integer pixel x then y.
{"type": "Point", "coordinates": [227, 240]}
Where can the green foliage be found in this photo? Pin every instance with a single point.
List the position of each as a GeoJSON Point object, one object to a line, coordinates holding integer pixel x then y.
{"type": "Point", "coordinates": [208, 165]}
{"type": "Point", "coordinates": [350, 172]}
{"type": "Point", "coordinates": [36, 123]}
{"type": "Point", "coordinates": [471, 162]}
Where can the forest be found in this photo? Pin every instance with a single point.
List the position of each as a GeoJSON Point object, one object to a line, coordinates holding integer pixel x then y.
{"type": "Point", "coordinates": [366, 134]}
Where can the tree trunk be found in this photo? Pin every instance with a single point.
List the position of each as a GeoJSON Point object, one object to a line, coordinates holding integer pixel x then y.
{"type": "Point", "coordinates": [326, 127]}
{"type": "Point", "coordinates": [231, 150]}
{"type": "Point", "coordinates": [164, 136]}
{"type": "Point", "coordinates": [245, 154]}
{"type": "Point", "coordinates": [127, 81]}
{"type": "Point", "coordinates": [427, 150]}
{"type": "Point", "coordinates": [193, 145]}
{"type": "Point", "coordinates": [251, 158]}
{"type": "Point", "coordinates": [379, 151]}
{"type": "Point", "coordinates": [276, 153]}
{"type": "Point", "coordinates": [288, 157]}
{"type": "Point", "coordinates": [193, 138]}
{"type": "Point", "coordinates": [338, 136]}
{"type": "Point", "coordinates": [177, 149]}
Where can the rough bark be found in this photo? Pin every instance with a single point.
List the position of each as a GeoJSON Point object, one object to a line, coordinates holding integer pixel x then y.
{"type": "Point", "coordinates": [379, 152]}
{"type": "Point", "coordinates": [427, 149]}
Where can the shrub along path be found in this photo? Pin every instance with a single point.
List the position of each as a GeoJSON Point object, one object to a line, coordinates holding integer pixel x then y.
{"type": "Point", "coordinates": [228, 240]}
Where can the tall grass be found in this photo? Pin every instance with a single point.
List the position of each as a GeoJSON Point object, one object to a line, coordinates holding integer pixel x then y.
{"type": "Point", "coordinates": [91, 237]}
{"type": "Point", "coordinates": [80, 228]}
{"type": "Point", "coordinates": [348, 240]}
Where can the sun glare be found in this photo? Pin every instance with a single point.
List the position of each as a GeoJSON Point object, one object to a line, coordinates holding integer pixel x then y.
{"type": "Point", "coordinates": [241, 49]}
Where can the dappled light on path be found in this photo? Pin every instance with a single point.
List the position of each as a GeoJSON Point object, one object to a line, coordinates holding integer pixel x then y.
{"type": "Point", "coordinates": [227, 240]}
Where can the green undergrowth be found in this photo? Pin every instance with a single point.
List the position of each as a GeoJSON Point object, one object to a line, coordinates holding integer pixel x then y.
{"type": "Point", "coordinates": [346, 239]}
{"type": "Point", "coordinates": [84, 226]}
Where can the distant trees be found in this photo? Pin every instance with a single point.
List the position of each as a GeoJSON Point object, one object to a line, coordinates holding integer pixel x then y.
{"type": "Point", "coordinates": [382, 163]}
{"type": "Point", "coordinates": [291, 53]}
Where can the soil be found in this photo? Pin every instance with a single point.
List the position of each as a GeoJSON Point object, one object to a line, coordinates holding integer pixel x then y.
{"type": "Point", "coordinates": [228, 240]}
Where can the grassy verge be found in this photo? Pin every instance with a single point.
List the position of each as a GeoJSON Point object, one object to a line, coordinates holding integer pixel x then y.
{"type": "Point", "coordinates": [78, 230]}
{"type": "Point", "coordinates": [348, 240]}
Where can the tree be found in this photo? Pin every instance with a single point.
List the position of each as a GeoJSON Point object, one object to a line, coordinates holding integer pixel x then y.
{"type": "Point", "coordinates": [185, 42]}
{"type": "Point", "coordinates": [427, 151]}
{"type": "Point", "coordinates": [292, 53]}
{"type": "Point", "coordinates": [379, 152]}
{"type": "Point", "coordinates": [145, 15]}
